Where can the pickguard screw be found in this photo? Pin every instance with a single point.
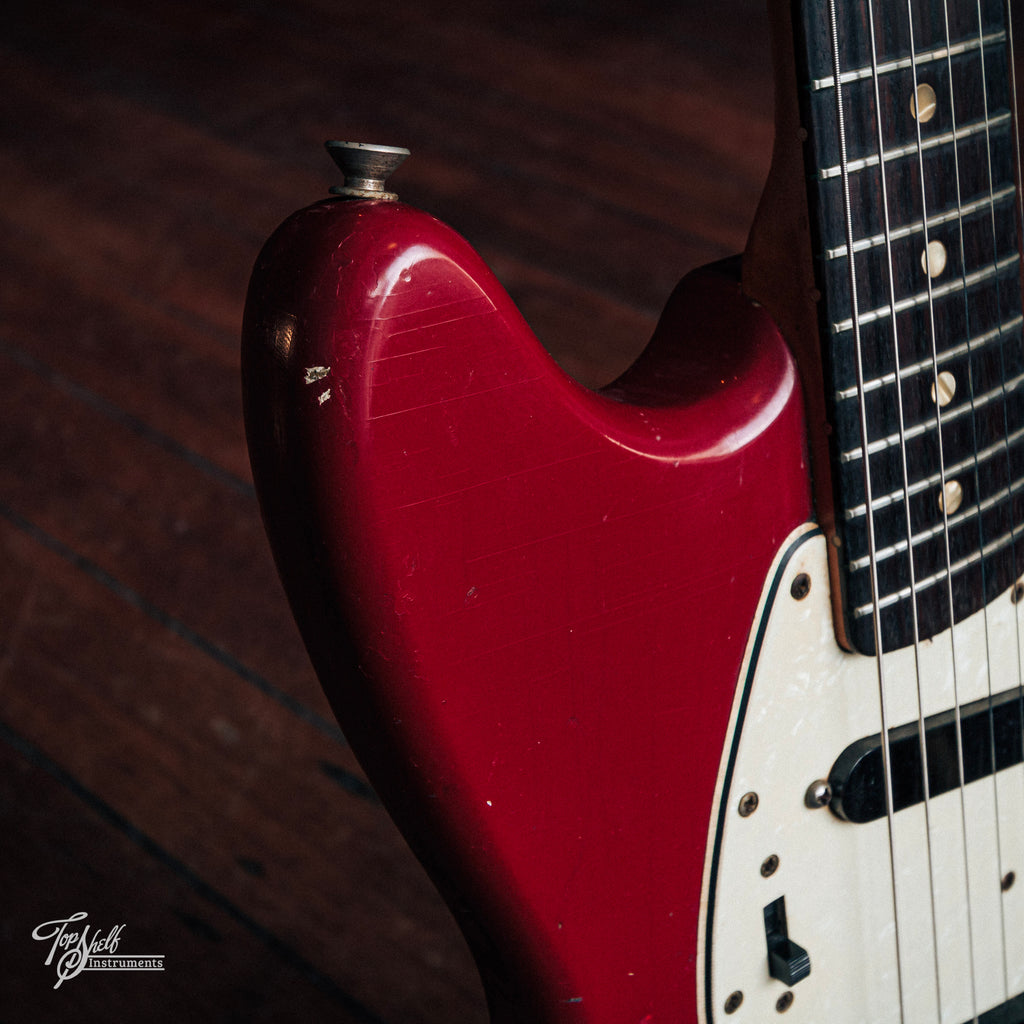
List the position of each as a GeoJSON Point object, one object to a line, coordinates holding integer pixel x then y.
{"type": "Point", "coordinates": [1008, 879]}
{"type": "Point", "coordinates": [748, 804]}
{"type": "Point", "coordinates": [819, 794]}
{"type": "Point", "coordinates": [770, 865]}
{"type": "Point", "coordinates": [800, 587]}
{"type": "Point", "coordinates": [784, 1002]}
{"type": "Point", "coordinates": [1018, 591]}
{"type": "Point", "coordinates": [732, 1004]}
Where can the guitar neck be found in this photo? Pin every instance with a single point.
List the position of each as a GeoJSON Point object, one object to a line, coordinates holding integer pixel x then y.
{"type": "Point", "coordinates": [906, 110]}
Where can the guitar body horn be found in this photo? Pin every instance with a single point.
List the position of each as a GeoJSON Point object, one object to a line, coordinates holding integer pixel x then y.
{"type": "Point", "coordinates": [528, 603]}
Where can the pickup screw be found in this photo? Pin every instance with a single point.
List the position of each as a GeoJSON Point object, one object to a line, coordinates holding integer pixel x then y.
{"type": "Point", "coordinates": [1008, 879]}
{"type": "Point", "coordinates": [366, 167]}
{"type": "Point", "coordinates": [1018, 591]}
{"type": "Point", "coordinates": [819, 794]}
{"type": "Point", "coordinates": [784, 1002]}
{"type": "Point", "coordinates": [770, 865]}
{"type": "Point", "coordinates": [748, 804]}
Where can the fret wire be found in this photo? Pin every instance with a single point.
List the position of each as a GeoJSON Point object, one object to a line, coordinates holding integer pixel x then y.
{"type": "Point", "coordinates": [955, 520]}
{"type": "Point", "coordinates": [937, 220]}
{"type": "Point", "coordinates": [939, 577]}
{"type": "Point", "coordinates": [914, 149]}
{"type": "Point", "coordinates": [912, 369]}
{"type": "Point", "coordinates": [885, 500]}
{"type": "Point", "coordinates": [903, 63]}
{"type": "Point", "coordinates": [924, 298]}
{"type": "Point", "coordinates": [919, 429]}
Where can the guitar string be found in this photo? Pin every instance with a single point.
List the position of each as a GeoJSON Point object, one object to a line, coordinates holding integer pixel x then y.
{"type": "Point", "coordinates": [915, 624]}
{"type": "Point", "coordinates": [932, 330]}
{"type": "Point", "coordinates": [1009, 476]}
{"type": "Point", "coordinates": [869, 519]}
{"type": "Point", "coordinates": [1019, 206]}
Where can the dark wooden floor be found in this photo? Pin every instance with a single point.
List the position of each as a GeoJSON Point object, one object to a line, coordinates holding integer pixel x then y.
{"type": "Point", "coordinates": [167, 761]}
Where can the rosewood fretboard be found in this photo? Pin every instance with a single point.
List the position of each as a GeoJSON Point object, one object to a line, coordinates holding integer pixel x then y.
{"type": "Point", "coordinates": [924, 362]}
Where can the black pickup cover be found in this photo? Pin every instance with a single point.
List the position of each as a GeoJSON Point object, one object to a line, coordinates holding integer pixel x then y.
{"type": "Point", "coordinates": [990, 738]}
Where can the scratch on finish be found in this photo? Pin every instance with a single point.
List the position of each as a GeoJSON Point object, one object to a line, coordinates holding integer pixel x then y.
{"type": "Point", "coordinates": [315, 373]}
{"type": "Point", "coordinates": [468, 395]}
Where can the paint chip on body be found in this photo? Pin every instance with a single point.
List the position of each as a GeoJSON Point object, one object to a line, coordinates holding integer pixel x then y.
{"type": "Point", "coordinates": [324, 397]}
{"type": "Point", "coordinates": [315, 373]}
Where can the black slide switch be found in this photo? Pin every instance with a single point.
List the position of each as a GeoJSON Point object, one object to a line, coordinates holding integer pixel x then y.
{"type": "Point", "coordinates": [787, 961]}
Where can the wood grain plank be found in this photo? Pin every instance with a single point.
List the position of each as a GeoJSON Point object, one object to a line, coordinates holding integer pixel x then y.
{"type": "Point", "coordinates": [66, 851]}
{"type": "Point", "coordinates": [507, 148]}
{"type": "Point", "coordinates": [189, 546]}
{"type": "Point", "coordinates": [244, 797]}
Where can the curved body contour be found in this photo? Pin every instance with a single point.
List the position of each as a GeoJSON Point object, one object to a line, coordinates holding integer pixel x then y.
{"type": "Point", "coordinates": [528, 603]}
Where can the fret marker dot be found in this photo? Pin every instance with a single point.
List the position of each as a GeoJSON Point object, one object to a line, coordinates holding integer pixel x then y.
{"type": "Point", "coordinates": [933, 259]}
{"type": "Point", "coordinates": [951, 497]}
{"type": "Point", "coordinates": [946, 388]}
{"type": "Point", "coordinates": [923, 104]}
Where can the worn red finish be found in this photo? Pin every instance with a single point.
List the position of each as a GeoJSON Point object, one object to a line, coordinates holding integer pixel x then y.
{"type": "Point", "coordinates": [528, 603]}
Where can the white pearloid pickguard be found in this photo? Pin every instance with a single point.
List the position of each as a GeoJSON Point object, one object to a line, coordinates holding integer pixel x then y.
{"type": "Point", "coordinates": [801, 701]}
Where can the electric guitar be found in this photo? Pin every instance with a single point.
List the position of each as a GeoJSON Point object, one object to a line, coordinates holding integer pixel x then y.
{"type": "Point", "coordinates": [620, 663]}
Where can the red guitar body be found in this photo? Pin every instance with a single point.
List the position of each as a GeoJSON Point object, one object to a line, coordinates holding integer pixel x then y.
{"type": "Point", "coordinates": [528, 602]}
